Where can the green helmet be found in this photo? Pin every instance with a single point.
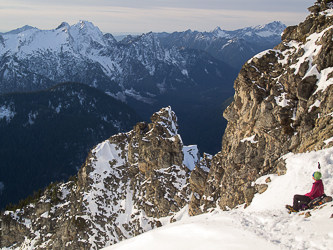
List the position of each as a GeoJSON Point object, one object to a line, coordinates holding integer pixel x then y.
{"type": "Point", "coordinates": [317, 175]}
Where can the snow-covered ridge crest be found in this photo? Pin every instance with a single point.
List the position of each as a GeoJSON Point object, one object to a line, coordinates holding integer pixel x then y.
{"type": "Point", "coordinates": [229, 46]}
{"type": "Point", "coordinates": [272, 29]}
{"type": "Point", "coordinates": [65, 37]}
{"type": "Point", "coordinates": [68, 52]}
{"type": "Point", "coordinates": [81, 38]}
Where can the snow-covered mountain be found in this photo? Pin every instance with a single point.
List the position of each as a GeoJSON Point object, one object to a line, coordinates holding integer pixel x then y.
{"type": "Point", "coordinates": [269, 31]}
{"type": "Point", "coordinates": [73, 53]}
{"type": "Point", "coordinates": [131, 183]}
{"type": "Point", "coordinates": [279, 128]}
{"type": "Point", "coordinates": [138, 71]}
{"type": "Point", "coordinates": [232, 47]}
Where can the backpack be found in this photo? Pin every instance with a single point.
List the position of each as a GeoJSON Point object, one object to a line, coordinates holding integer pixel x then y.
{"type": "Point", "coordinates": [319, 201]}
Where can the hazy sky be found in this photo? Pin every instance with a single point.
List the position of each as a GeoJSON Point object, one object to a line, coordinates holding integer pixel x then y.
{"type": "Point", "coordinates": [141, 16]}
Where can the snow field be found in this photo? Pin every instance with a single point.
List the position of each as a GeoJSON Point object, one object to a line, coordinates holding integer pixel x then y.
{"type": "Point", "coordinates": [265, 224]}
{"type": "Point", "coordinates": [200, 232]}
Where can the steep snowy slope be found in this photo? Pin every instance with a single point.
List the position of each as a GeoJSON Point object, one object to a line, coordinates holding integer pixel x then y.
{"type": "Point", "coordinates": [265, 224]}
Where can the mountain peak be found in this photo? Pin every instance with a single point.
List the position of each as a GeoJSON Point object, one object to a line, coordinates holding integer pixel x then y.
{"type": "Point", "coordinates": [19, 30]}
{"type": "Point", "coordinates": [86, 24]}
{"type": "Point", "coordinates": [217, 29]}
{"type": "Point", "coordinates": [218, 32]}
{"type": "Point", "coordinates": [63, 25]}
{"type": "Point", "coordinates": [167, 118]}
{"type": "Point", "coordinates": [270, 29]}
{"type": "Point", "coordinates": [85, 27]}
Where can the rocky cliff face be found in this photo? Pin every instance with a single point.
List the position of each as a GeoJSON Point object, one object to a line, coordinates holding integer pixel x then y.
{"type": "Point", "coordinates": [130, 183]}
{"type": "Point", "coordinates": [283, 103]}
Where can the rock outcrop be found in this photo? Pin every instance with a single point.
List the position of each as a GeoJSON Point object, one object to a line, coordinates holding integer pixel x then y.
{"type": "Point", "coordinates": [130, 183]}
{"type": "Point", "coordinates": [283, 103]}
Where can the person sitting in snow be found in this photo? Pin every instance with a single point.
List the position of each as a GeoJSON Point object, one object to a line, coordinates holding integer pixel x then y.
{"type": "Point", "coordinates": [316, 191]}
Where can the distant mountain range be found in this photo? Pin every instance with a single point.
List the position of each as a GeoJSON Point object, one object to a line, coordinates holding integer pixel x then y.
{"type": "Point", "coordinates": [147, 72]}
{"type": "Point", "coordinates": [45, 135]}
{"type": "Point", "coordinates": [232, 47]}
{"type": "Point", "coordinates": [139, 71]}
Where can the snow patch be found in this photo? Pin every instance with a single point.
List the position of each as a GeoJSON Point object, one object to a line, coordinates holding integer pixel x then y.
{"type": "Point", "coordinates": [119, 96]}
{"type": "Point", "coordinates": [191, 156]}
{"type": "Point", "coordinates": [281, 100]}
{"type": "Point", "coordinates": [261, 54]}
{"type": "Point", "coordinates": [323, 79]}
{"type": "Point", "coordinates": [250, 139]}
{"type": "Point", "coordinates": [32, 117]}
{"type": "Point", "coordinates": [266, 33]}
{"type": "Point", "coordinates": [136, 95]}
{"type": "Point", "coordinates": [316, 104]}
{"type": "Point", "coordinates": [185, 72]}
{"type": "Point", "coordinates": [311, 49]}
{"type": "Point", "coordinates": [7, 112]}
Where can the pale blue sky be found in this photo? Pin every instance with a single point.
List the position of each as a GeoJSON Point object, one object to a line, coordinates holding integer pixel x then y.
{"type": "Point", "coordinates": [141, 16]}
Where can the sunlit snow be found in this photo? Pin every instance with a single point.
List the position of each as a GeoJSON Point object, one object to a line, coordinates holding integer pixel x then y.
{"type": "Point", "coordinates": [250, 139]}
{"type": "Point", "coordinates": [265, 224]}
{"type": "Point", "coordinates": [281, 100]}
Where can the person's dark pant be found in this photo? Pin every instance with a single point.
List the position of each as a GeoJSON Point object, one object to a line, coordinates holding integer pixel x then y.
{"type": "Point", "coordinates": [300, 200]}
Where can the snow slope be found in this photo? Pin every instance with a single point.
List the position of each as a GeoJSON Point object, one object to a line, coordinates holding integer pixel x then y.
{"type": "Point", "coordinates": [265, 224]}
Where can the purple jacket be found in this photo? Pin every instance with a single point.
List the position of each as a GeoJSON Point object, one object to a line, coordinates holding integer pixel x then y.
{"type": "Point", "coordinates": [317, 190]}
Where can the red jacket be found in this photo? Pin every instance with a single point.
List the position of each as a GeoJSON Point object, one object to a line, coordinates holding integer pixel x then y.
{"type": "Point", "coordinates": [317, 190]}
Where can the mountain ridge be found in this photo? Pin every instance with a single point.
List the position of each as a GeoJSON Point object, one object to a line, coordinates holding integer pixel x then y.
{"type": "Point", "coordinates": [138, 71]}
{"type": "Point", "coordinates": [231, 47]}
{"type": "Point", "coordinates": [122, 189]}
